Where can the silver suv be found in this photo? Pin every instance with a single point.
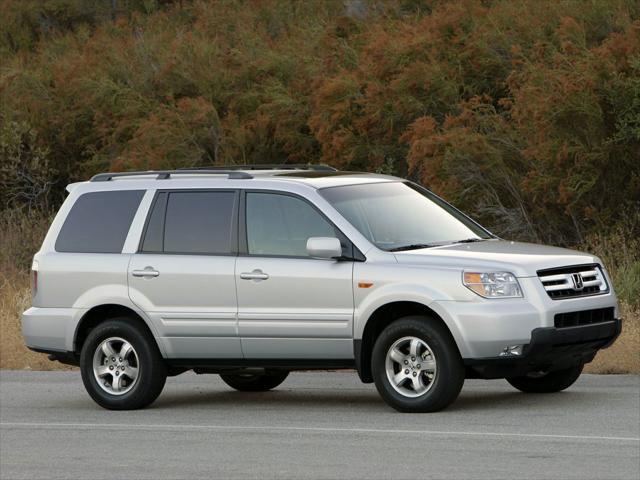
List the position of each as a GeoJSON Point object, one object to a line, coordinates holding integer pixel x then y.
{"type": "Point", "coordinates": [253, 272]}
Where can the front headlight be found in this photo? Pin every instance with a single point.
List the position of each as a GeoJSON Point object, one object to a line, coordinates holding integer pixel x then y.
{"type": "Point", "coordinates": [492, 284]}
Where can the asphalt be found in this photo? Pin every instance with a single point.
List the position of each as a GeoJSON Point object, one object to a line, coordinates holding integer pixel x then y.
{"type": "Point", "coordinates": [318, 425]}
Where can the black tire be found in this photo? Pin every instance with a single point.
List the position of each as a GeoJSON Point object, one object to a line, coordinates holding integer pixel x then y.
{"type": "Point", "coordinates": [551, 382]}
{"type": "Point", "coordinates": [255, 382]}
{"type": "Point", "coordinates": [152, 371]}
{"type": "Point", "coordinates": [449, 377]}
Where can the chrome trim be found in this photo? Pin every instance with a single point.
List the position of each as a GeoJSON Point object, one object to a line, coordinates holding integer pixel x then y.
{"type": "Point", "coordinates": [575, 282]}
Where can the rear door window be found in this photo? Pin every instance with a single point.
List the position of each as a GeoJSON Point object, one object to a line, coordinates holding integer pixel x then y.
{"type": "Point", "coordinates": [99, 222]}
{"type": "Point", "coordinates": [199, 222]}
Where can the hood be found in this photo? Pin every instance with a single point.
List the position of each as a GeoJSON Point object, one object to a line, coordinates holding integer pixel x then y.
{"type": "Point", "coordinates": [522, 259]}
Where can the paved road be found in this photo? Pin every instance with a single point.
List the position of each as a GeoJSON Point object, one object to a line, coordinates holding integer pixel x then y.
{"type": "Point", "coordinates": [318, 425]}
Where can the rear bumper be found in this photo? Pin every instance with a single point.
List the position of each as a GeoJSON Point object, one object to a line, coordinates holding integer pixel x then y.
{"type": "Point", "coordinates": [550, 348]}
{"type": "Point", "coordinates": [50, 329]}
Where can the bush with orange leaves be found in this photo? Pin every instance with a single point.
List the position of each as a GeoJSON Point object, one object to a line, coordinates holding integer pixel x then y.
{"type": "Point", "coordinates": [526, 114]}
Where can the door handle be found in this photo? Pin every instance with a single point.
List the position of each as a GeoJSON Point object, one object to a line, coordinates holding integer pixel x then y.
{"type": "Point", "coordinates": [255, 275]}
{"type": "Point", "coordinates": [147, 272]}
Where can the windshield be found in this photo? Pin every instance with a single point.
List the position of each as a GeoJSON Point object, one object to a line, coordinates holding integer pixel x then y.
{"type": "Point", "coordinates": [400, 216]}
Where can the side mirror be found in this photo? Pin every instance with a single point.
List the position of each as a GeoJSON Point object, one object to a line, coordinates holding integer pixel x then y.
{"type": "Point", "coordinates": [324, 247]}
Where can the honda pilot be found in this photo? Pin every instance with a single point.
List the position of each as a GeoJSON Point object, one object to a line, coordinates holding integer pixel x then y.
{"type": "Point", "coordinates": [251, 272]}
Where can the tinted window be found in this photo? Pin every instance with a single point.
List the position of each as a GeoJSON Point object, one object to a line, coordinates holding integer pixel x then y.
{"type": "Point", "coordinates": [99, 222]}
{"type": "Point", "coordinates": [154, 235]}
{"type": "Point", "coordinates": [196, 222]}
{"type": "Point", "coordinates": [281, 225]}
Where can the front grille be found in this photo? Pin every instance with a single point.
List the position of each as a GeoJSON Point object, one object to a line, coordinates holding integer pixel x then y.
{"type": "Point", "coordinates": [570, 282]}
{"type": "Point", "coordinates": [584, 317]}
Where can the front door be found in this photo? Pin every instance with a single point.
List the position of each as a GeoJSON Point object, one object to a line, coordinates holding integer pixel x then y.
{"type": "Point", "coordinates": [291, 306]}
{"type": "Point", "coordinates": [183, 275]}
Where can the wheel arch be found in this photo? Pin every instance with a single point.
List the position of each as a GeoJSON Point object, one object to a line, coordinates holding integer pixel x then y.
{"type": "Point", "coordinates": [383, 316]}
{"type": "Point", "coordinates": [101, 313]}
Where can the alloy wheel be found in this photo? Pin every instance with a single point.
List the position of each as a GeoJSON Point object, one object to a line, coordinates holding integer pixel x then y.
{"type": "Point", "coordinates": [115, 366]}
{"type": "Point", "coordinates": [411, 366]}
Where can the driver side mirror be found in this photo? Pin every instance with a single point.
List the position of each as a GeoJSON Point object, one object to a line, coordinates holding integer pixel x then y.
{"type": "Point", "coordinates": [324, 247]}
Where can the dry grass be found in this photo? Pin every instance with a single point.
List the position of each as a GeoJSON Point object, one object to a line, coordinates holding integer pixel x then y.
{"type": "Point", "coordinates": [15, 297]}
{"type": "Point", "coordinates": [622, 357]}
{"type": "Point", "coordinates": [21, 233]}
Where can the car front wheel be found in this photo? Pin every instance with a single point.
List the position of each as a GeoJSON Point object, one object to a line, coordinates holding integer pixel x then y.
{"type": "Point", "coordinates": [416, 365]}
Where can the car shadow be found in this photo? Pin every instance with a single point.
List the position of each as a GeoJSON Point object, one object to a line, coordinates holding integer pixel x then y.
{"type": "Point", "coordinates": [271, 399]}
{"type": "Point", "coordinates": [367, 400]}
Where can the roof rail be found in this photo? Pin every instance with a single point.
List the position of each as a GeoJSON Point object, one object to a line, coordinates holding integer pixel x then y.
{"type": "Point", "coordinates": [166, 174]}
{"type": "Point", "coordinates": [268, 166]}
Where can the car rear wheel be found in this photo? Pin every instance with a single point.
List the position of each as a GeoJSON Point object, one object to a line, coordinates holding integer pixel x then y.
{"type": "Point", "coordinates": [549, 382]}
{"type": "Point", "coordinates": [255, 382]}
{"type": "Point", "coordinates": [416, 365]}
{"type": "Point", "coordinates": [121, 366]}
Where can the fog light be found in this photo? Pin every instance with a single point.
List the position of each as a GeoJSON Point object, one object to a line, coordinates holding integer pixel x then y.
{"type": "Point", "coordinates": [514, 350]}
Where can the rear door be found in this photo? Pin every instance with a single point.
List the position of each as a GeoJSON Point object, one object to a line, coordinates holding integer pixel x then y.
{"type": "Point", "coordinates": [291, 306]}
{"type": "Point", "coordinates": [183, 273]}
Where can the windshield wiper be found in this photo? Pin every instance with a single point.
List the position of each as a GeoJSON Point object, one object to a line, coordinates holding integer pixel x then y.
{"type": "Point", "coordinates": [470, 240]}
{"type": "Point", "coordinates": [413, 246]}
{"type": "Point", "coordinates": [416, 246]}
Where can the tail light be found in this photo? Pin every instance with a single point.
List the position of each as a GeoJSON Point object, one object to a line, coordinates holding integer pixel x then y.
{"type": "Point", "coordinates": [34, 278]}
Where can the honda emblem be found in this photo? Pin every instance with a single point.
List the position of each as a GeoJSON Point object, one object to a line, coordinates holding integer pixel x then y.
{"type": "Point", "coordinates": [578, 284]}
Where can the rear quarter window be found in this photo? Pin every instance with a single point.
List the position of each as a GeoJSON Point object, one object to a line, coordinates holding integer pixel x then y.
{"type": "Point", "coordinates": [99, 222]}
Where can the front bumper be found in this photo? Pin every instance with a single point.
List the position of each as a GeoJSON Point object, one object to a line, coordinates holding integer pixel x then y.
{"type": "Point", "coordinates": [550, 348]}
{"type": "Point", "coordinates": [483, 328]}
